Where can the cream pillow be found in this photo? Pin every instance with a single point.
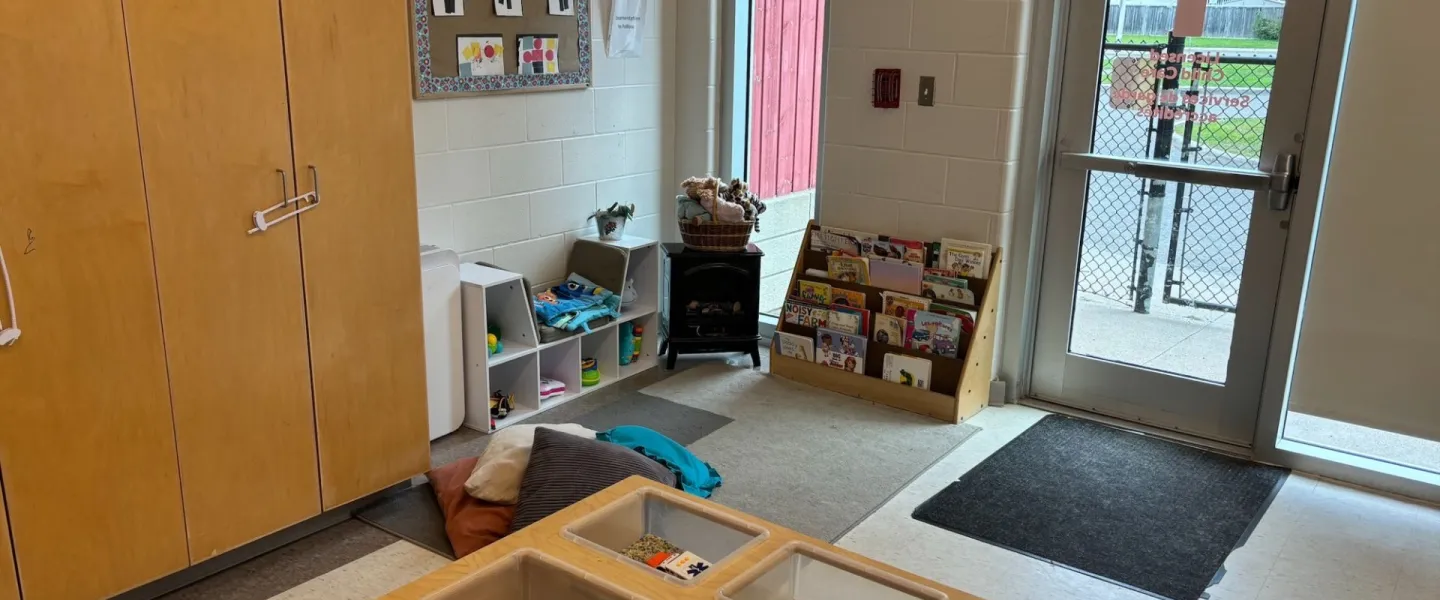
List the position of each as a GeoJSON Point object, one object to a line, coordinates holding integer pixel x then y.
{"type": "Point", "coordinates": [497, 475]}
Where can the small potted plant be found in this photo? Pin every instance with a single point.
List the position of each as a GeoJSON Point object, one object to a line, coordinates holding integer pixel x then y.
{"type": "Point", "coordinates": [610, 222]}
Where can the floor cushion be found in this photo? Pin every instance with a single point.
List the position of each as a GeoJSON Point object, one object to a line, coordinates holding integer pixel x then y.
{"type": "Point", "coordinates": [497, 474]}
{"type": "Point", "coordinates": [469, 523]}
{"type": "Point", "coordinates": [565, 469]}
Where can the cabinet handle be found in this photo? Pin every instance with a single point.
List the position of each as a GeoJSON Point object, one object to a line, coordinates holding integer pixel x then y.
{"type": "Point", "coordinates": [8, 335]}
{"type": "Point", "coordinates": [261, 218]}
{"type": "Point", "coordinates": [315, 177]}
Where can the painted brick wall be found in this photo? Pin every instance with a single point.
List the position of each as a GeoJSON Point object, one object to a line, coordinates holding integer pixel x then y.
{"type": "Point", "coordinates": [924, 172]}
{"type": "Point", "coordinates": [510, 179]}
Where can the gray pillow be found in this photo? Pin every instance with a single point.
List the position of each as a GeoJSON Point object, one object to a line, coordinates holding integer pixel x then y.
{"type": "Point", "coordinates": [565, 469]}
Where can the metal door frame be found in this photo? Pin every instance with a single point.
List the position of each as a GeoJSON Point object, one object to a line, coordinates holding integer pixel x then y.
{"type": "Point", "coordinates": [1225, 413]}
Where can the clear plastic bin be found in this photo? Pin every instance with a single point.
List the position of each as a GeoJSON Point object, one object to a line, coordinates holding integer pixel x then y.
{"type": "Point", "coordinates": [801, 572]}
{"type": "Point", "coordinates": [531, 575]}
{"type": "Point", "coordinates": [711, 535]}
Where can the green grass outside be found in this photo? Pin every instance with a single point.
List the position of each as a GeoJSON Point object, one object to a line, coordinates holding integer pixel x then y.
{"type": "Point", "coordinates": [1239, 135]}
{"type": "Point", "coordinates": [1202, 42]}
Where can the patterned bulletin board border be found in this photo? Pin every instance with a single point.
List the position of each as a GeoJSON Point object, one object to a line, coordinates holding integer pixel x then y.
{"type": "Point", "coordinates": [430, 86]}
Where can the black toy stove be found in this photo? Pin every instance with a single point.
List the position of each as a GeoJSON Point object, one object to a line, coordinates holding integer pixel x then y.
{"type": "Point", "coordinates": [713, 302]}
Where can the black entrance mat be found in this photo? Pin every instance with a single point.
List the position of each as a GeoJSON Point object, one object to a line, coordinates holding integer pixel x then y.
{"type": "Point", "coordinates": [1136, 510]}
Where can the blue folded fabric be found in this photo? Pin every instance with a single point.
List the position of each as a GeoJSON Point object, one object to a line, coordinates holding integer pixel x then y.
{"type": "Point", "coordinates": [693, 475]}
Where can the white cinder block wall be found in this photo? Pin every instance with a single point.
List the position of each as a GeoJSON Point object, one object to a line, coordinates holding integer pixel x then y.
{"type": "Point", "coordinates": [924, 172]}
{"type": "Point", "coordinates": [510, 179]}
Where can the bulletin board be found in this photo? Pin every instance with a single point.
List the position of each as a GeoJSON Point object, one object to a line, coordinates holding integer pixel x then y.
{"type": "Point", "coordinates": [438, 48]}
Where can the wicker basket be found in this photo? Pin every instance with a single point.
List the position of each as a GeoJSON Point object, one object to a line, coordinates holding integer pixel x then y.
{"type": "Point", "coordinates": [709, 236]}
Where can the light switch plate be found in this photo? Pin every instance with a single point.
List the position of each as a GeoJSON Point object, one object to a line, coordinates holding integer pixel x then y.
{"type": "Point", "coordinates": [927, 91]}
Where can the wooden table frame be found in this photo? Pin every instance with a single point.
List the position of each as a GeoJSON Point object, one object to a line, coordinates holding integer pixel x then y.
{"type": "Point", "coordinates": [545, 537]}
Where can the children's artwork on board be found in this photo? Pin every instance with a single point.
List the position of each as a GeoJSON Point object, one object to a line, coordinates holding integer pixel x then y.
{"type": "Point", "coordinates": [562, 7]}
{"type": "Point", "coordinates": [509, 8]}
{"type": "Point", "coordinates": [481, 55]}
{"type": "Point", "coordinates": [539, 53]}
{"type": "Point", "coordinates": [449, 8]}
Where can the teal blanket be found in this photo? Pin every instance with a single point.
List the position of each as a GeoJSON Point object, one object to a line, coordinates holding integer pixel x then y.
{"type": "Point", "coordinates": [693, 475]}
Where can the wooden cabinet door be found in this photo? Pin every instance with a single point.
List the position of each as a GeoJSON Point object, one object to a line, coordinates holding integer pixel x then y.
{"type": "Point", "coordinates": [215, 131]}
{"type": "Point", "coordinates": [9, 586]}
{"type": "Point", "coordinates": [86, 441]}
{"type": "Point", "coordinates": [350, 105]}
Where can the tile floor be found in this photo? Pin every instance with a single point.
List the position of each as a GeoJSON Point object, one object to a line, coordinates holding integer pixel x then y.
{"type": "Point", "coordinates": [1319, 541]}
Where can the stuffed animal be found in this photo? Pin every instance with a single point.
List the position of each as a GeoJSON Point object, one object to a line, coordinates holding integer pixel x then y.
{"type": "Point", "coordinates": [706, 191]}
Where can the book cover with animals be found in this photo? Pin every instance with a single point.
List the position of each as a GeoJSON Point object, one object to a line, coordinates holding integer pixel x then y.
{"type": "Point", "coordinates": [907, 370]}
{"type": "Point", "coordinates": [934, 333]}
{"type": "Point", "coordinates": [845, 241]}
{"type": "Point", "coordinates": [890, 330]}
{"type": "Point", "coordinates": [850, 269]}
{"type": "Point", "coordinates": [970, 259]}
{"type": "Point", "coordinates": [812, 292]}
{"type": "Point", "coordinates": [808, 315]}
{"type": "Point", "coordinates": [909, 251]}
{"type": "Point", "coordinates": [847, 298]}
{"type": "Point", "coordinates": [840, 350]}
{"type": "Point", "coordinates": [850, 320]}
{"type": "Point", "coordinates": [797, 347]}
{"type": "Point", "coordinates": [900, 305]}
{"type": "Point", "coordinates": [897, 276]}
{"type": "Point", "coordinates": [967, 316]}
{"type": "Point", "coordinates": [947, 289]}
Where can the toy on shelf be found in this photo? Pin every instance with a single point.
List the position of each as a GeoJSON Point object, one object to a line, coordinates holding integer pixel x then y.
{"type": "Point", "coordinates": [501, 405]}
{"type": "Point", "coordinates": [589, 372]}
{"type": "Point", "coordinates": [492, 340]}
{"type": "Point", "coordinates": [635, 352]}
{"type": "Point", "coordinates": [551, 388]}
{"type": "Point", "coordinates": [628, 343]}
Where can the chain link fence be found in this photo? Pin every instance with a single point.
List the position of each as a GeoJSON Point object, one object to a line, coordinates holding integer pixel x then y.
{"type": "Point", "coordinates": [1217, 117]}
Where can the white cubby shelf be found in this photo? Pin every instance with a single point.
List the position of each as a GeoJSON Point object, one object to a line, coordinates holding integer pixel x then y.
{"type": "Point", "coordinates": [491, 295]}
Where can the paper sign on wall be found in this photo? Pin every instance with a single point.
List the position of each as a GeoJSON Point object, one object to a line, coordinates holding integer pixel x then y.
{"type": "Point", "coordinates": [627, 29]}
{"type": "Point", "coordinates": [1190, 18]}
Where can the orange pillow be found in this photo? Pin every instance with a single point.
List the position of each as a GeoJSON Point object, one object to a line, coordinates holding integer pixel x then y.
{"type": "Point", "coordinates": [469, 523]}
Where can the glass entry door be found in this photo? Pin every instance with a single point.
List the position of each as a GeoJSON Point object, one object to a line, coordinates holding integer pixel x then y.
{"type": "Point", "coordinates": [1175, 166]}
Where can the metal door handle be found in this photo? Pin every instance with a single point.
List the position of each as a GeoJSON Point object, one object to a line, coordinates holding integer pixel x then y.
{"type": "Point", "coordinates": [1279, 183]}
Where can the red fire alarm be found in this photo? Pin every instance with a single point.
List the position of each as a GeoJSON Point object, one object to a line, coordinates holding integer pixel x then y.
{"type": "Point", "coordinates": [887, 88]}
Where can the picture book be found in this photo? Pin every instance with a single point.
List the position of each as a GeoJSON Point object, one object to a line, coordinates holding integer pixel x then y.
{"type": "Point", "coordinates": [844, 321]}
{"type": "Point", "coordinates": [851, 269]}
{"type": "Point", "coordinates": [909, 251]}
{"type": "Point", "coordinates": [845, 241]}
{"type": "Point", "coordinates": [898, 276]}
{"type": "Point", "coordinates": [850, 320]}
{"type": "Point", "coordinates": [970, 259]}
{"type": "Point", "coordinates": [840, 350]}
{"type": "Point", "coordinates": [890, 330]}
{"type": "Point", "coordinates": [847, 298]}
{"type": "Point", "coordinates": [900, 305]}
{"type": "Point", "coordinates": [944, 273]}
{"type": "Point", "coordinates": [811, 292]}
{"type": "Point", "coordinates": [907, 370]}
{"type": "Point", "coordinates": [808, 315]}
{"type": "Point", "coordinates": [966, 316]}
{"type": "Point", "coordinates": [796, 346]}
{"type": "Point", "coordinates": [946, 289]}
{"type": "Point", "coordinates": [934, 333]}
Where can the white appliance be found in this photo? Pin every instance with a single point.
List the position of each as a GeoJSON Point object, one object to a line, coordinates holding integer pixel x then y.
{"type": "Point", "coordinates": [444, 358]}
